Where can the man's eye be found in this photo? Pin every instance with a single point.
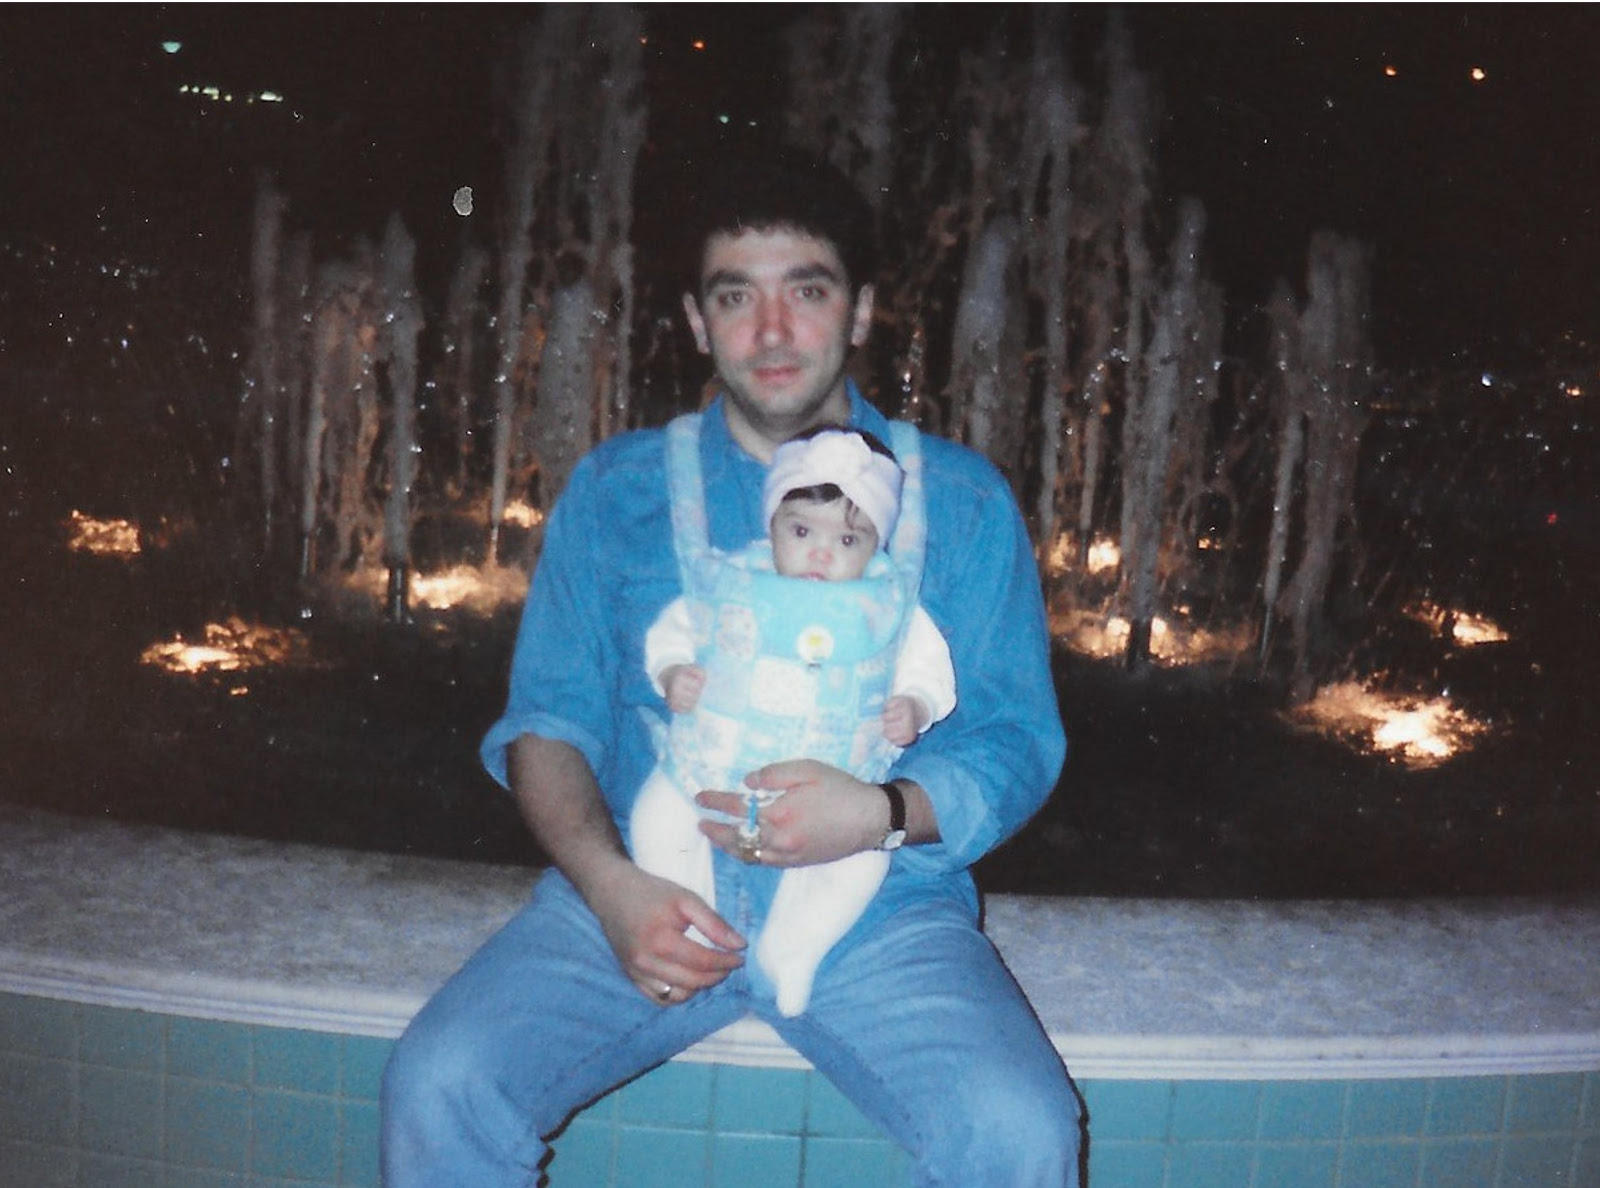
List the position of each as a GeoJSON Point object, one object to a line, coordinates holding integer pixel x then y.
{"type": "Point", "coordinates": [812, 293]}
{"type": "Point", "coordinates": [730, 298]}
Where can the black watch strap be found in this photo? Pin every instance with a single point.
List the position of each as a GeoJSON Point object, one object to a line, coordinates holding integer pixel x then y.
{"type": "Point", "coordinates": [896, 836]}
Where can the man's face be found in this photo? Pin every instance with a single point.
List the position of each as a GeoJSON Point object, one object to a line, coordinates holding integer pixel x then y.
{"type": "Point", "coordinates": [777, 318]}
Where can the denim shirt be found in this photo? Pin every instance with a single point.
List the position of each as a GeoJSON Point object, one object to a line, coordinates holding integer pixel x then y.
{"type": "Point", "coordinates": [608, 568]}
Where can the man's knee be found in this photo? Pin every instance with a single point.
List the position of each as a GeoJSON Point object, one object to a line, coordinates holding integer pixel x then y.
{"type": "Point", "coordinates": [418, 1076]}
{"type": "Point", "coordinates": [434, 1071]}
{"type": "Point", "coordinates": [1018, 1131]}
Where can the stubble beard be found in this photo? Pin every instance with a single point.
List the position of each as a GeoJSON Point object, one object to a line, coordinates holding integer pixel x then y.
{"type": "Point", "coordinates": [778, 416]}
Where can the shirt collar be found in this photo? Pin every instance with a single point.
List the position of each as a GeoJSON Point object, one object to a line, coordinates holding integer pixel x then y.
{"type": "Point", "coordinates": [718, 448]}
{"type": "Point", "coordinates": [722, 459]}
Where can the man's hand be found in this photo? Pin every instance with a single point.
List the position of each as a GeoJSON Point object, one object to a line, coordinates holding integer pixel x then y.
{"type": "Point", "coordinates": [646, 919]}
{"type": "Point", "coordinates": [821, 814]}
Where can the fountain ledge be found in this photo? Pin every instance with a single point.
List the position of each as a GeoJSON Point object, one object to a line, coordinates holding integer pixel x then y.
{"type": "Point", "coordinates": [257, 932]}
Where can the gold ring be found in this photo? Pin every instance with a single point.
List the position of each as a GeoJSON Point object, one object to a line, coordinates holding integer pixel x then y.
{"type": "Point", "coordinates": [750, 845]}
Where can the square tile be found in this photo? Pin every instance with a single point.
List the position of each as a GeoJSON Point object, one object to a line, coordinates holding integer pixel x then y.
{"type": "Point", "coordinates": [1459, 1162]}
{"type": "Point", "coordinates": [358, 1143]}
{"type": "Point", "coordinates": [1297, 1165]}
{"type": "Point", "coordinates": [1215, 1110]}
{"type": "Point", "coordinates": [199, 1177]}
{"type": "Point", "coordinates": [1467, 1105]}
{"type": "Point", "coordinates": [37, 1099]}
{"type": "Point", "coordinates": [748, 1160]}
{"type": "Point", "coordinates": [1302, 1110]}
{"type": "Point", "coordinates": [120, 1112]}
{"type": "Point", "coordinates": [831, 1114]}
{"type": "Point", "coordinates": [307, 1061]}
{"type": "Point", "coordinates": [1535, 1163]}
{"type": "Point", "coordinates": [850, 1163]}
{"type": "Point", "coordinates": [1380, 1165]}
{"type": "Point", "coordinates": [676, 1094]}
{"type": "Point", "coordinates": [1587, 1162]}
{"type": "Point", "coordinates": [899, 1168]}
{"type": "Point", "coordinates": [38, 1026]}
{"type": "Point", "coordinates": [759, 1100]}
{"type": "Point", "coordinates": [1379, 1109]}
{"type": "Point", "coordinates": [1209, 1165]}
{"type": "Point", "coordinates": [123, 1039]}
{"type": "Point", "coordinates": [38, 1167]}
{"type": "Point", "coordinates": [363, 1061]}
{"type": "Point", "coordinates": [1138, 1110]}
{"type": "Point", "coordinates": [585, 1155]}
{"type": "Point", "coordinates": [653, 1157]}
{"type": "Point", "coordinates": [1542, 1104]}
{"type": "Point", "coordinates": [1128, 1164]}
{"type": "Point", "coordinates": [296, 1136]}
{"type": "Point", "coordinates": [208, 1050]}
{"type": "Point", "coordinates": [208, 1125]}
{"type": "Point", "coordinates": [122, 1172]}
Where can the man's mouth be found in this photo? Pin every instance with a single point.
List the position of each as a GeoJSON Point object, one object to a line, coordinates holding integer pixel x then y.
{"type": "Point", "coordinates": [776, 372]}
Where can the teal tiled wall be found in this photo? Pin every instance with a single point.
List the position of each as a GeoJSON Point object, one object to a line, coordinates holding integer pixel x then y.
{"type": "Point", "coordinates": [93, 1097]}
{"type": "Point", "coordinates": [109, 1098]}
{"type": "Point", "coordinates": [1451, 1132]}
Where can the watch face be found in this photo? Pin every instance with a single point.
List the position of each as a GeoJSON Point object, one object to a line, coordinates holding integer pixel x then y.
{"type": "Point", "coordinates": [893, 840]}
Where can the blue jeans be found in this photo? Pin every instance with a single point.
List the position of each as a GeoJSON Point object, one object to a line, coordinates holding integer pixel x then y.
{"type": "Point", "coordinates": [920, 1025]}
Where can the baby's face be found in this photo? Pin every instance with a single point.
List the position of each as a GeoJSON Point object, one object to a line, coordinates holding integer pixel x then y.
{"type": "Point", "coordinates": [819, 541]}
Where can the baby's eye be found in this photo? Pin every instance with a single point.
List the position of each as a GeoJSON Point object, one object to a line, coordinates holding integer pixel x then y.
{"type": "Point", "coordinates": [800, 530]}
{"type": "Point", "coordinates": [849, 539]}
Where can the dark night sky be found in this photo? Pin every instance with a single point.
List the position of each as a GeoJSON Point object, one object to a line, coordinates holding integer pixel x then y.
{"type": "Point", "coordinates": [1478, 197]}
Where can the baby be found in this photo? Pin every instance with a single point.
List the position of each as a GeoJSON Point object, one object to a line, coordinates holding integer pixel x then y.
{"type": "Point", "coordinates": [858, 673]}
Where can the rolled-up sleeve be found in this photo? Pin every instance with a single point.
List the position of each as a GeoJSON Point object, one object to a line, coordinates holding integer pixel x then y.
{"type": "Point", "coordinates": [560, 670]}
{"type": "Point", "coordinates": [992, 763]}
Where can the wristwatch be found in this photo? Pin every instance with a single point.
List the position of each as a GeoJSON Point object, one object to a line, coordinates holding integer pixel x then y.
{"type": "Point", "coordinates": [896, 837]}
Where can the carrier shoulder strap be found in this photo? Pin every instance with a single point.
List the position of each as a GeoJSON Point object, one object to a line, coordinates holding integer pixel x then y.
{"type": "Point", "coordinates": [909, 546]}
{"type": "Point", "coordinates": [686, 495]}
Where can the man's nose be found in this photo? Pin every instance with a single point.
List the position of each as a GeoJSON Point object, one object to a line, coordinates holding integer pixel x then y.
{"type": "Point", "coordinates": [772, 324]}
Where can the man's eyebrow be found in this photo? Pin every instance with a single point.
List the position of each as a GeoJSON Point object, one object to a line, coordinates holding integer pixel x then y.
{"type": "Point", "coordinates": [723, 278]}
{"type": "Point", "coordinates": [816, 270]}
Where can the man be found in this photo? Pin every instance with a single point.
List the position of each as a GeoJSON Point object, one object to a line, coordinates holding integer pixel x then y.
{"type": "Point", "coordinates": [912, 1016]}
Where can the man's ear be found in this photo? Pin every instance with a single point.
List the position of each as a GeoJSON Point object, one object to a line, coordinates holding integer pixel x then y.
{"type": "Point", "coordinates": [697, 323]}
{"type": "Point", "coordinates": [861, 321]}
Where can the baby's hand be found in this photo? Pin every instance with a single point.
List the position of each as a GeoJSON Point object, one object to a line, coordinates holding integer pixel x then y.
{"type": "Point", "coordinates": [901, 723]}
{"type": "Point", "coordinates": [683, 684]}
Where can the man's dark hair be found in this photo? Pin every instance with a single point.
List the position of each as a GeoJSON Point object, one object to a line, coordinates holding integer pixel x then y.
{"type": "Point", "coordinates": [765, 190]}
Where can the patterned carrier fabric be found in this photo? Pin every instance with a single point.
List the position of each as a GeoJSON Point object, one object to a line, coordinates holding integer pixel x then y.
{"type": "Point", "coordinates": [794, 668]}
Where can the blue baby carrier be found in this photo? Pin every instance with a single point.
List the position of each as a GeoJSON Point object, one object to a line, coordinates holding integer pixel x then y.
{"type": "Point", "coordinates": [794, 668]}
